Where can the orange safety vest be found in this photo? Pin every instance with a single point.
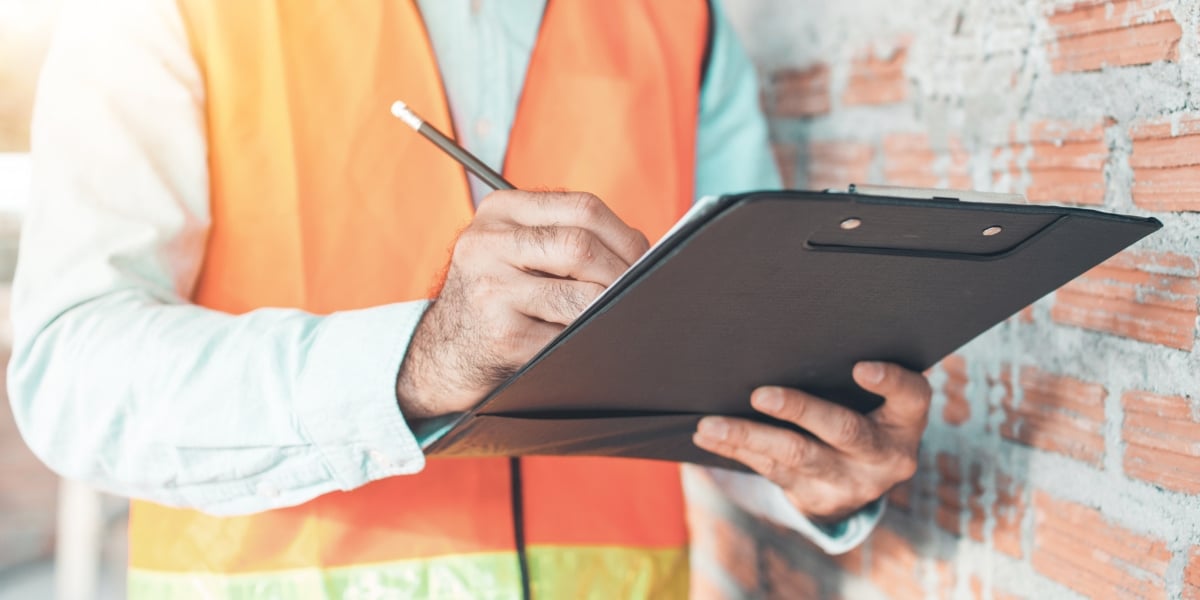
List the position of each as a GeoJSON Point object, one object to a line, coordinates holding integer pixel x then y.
{"type": "Point", "coordinates": [321, 200]}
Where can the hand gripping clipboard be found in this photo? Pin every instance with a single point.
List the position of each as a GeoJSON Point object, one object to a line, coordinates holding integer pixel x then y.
{"type": "Point", "coordinates": [783, 288]}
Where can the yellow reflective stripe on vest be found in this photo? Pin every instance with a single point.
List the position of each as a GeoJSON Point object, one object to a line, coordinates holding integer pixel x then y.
{"type": "Point", "coordinates": [556, 572]}
{"type": "Point", "coordinates": [608, 572]}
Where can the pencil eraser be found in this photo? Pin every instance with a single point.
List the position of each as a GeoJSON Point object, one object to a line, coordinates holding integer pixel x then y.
{"type": "Point", "coordinates": [401, 111]}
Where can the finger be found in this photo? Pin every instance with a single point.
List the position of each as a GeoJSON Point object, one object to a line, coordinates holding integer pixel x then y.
{"type": "Point", "coordinates": [557, 301]}
{"type": "Point", "coordinates": [572, 252]}
{"type": "Point", "coordinates": [521, 342]}
{"type": "Point", "coordinates": [843, 429]}
{"type": "Point", "coordinates": [906, 394]}
{"type": "Point", "coordinates": [773, 452]}
{"type": "Point", "coordinates": [573, 209]}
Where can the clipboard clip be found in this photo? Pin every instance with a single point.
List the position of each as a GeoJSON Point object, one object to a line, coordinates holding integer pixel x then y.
{"type": "Point", "coordinates": [944, 195]}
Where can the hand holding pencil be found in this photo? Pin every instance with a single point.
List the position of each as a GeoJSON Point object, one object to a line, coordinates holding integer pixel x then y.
{"type": "Point", "coordinates": [525, 268]}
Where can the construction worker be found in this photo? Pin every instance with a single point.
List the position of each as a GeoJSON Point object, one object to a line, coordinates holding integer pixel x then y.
{"type": "Point", "coordinates": [233, 303]}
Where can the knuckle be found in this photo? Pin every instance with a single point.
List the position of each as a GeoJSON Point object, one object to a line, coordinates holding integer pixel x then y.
{"type": "Point", "coordinates": [795, 408]}
{"type": "Point", "coordinates": [577, 244]}
{"type": "Point", "coordinates": [468, 242]}
{"type": "Point", "coordinates": [798, 451]}
{"type": "Point", "coordinates": [587, 204]}
{"type": "Point", "coordinates": [638, 243]}
{"type": "Point", "coordinates": [766, 466]}
{"type": "Point", "coordinates": [849, 430]}
{"type": "Point", "coordinates": [737, 433]}
{"type": "Point", "coordinates": [501, 203]}
{"type": "Point", "coordinates": [643, 242]}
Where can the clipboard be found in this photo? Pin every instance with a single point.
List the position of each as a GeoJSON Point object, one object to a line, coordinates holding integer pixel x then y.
{"type": "Point", "coordinates": [787, 288]}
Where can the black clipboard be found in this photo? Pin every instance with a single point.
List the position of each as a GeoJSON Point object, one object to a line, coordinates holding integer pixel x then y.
{"type": "Point", "coordinates": [783, 288]}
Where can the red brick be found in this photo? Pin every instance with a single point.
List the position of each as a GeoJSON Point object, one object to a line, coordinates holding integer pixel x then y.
{"type": "Point", "coordinates": [910, 159]}
{"type": "Point", "coordinates": [976, 588]}
{"type": "Point", "coordinates": [784, 581]}
{"type": "Point", "coordinates": [1095, 34]}
{"type": "Point", "coordinates": [1166, 164]}
{"type": "Point", "coordinates": [1066, 164]}
{"type": "Point", "coordinates": [1162, 440]}
{"type": "Point", "coordinates": [877, 80]}
{"type": "Point", "coordinates": [976, 513]}
{"type": "Point", "coordinates": [1078, 547]}
{"type": "Point", "coordinates": [837, 164]}
{"type": "Point", "coordinates": [895, 565]}
{"type": "Point", "coordinates": [1059, 414]}
{"type": "Point", "coordinates": [1133, 299]}
{"type": "Point", "coordinates": [799, 92]}
{"type": "Point", "coordinates": [786, 156]}
{"type": "Point", "coordinates": [1191, 575]}
{"type": "Point", "coordinates": [996, 594]}
{"type": "Point", "coordinates": [732, 548]}
{"type": "Point", "coordinates": [1156, 262]}
{"type": "Point", "coordinates": [1026, 315]}
{"type": "Point", "coordinates": [957, 411]}
{"type": "Point", "coordinates": [945, 579]}
{"type": "Point", "coordinates": [1009, 512]}
{"type": "Point", "coordinates": [949, 496]}
{"type": "Point", "coordinates": [852, 562]}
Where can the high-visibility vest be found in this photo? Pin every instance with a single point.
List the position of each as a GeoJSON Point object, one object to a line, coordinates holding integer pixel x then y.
{"type": "Point", "coordinates": [323, 201]}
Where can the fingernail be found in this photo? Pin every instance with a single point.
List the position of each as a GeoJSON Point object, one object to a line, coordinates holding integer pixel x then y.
{"type": "Point", "coordinates": [869, 372]}
{"type": "Point", "coordinates": [768, 399]}
{"type": "Point", "coordinates": [714, 428]}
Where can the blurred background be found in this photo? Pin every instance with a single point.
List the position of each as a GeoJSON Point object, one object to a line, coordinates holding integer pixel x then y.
{"type": "Point", "coordinates": [90, 540]}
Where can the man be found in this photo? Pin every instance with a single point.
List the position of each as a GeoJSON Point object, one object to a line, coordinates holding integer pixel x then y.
{"type": "Point", "coordinates": [197, 161]}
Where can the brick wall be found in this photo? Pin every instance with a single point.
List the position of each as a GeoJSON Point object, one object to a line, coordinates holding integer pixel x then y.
{"type": "Point", "coordinates": [1063, 455]}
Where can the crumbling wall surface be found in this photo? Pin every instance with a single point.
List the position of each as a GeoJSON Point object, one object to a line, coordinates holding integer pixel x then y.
{"type": "Point", "coordinates": [1063, 455]}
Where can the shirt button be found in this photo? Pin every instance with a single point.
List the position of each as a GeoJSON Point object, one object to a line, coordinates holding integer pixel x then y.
{"type": "Point", "coordinates": [266, 490]}
{"type": "Point", "coordinates": [483, 127]}
{"type": "Point", "coordinates": [380, 459]}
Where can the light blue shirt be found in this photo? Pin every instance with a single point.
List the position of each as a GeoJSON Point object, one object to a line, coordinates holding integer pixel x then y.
{"type": "Point", "coordinates": [116, 379]}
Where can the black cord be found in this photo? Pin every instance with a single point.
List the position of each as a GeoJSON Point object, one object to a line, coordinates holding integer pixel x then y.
{"type": "Point", "coordinates": [518, 514]}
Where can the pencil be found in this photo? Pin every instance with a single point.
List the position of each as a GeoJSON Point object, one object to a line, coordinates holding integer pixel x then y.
{"type": "Point", "coordinates": [441, 140]}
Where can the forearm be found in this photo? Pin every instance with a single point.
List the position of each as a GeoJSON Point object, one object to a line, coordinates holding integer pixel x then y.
{"type": "Point", "coordinates": [227, 414]}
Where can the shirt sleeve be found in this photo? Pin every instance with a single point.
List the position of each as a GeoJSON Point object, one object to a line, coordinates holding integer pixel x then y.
{"type": "Point", "coordinates": [116, 379]}
{"type": "Point", "coordinates": [734, 155]}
